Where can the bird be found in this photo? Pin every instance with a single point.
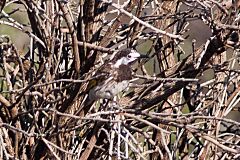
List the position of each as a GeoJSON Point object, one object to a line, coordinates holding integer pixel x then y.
{"type": "Point", "coordinates": [114, 76]}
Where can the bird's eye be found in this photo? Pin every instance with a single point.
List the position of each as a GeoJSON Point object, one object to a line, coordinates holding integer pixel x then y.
{"type": "Point", "coordinates": [129, 56]}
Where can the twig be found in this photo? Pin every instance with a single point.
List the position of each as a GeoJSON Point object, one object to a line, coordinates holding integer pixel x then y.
{"type": "Point", "coordinates": [167, 79]}
{"type": "Point", "coordinates": [51, 149]}
{"type": "Point", "coordinates": [71, 27]}
{"type": "Point", "coordinates": [59, 148]}
{"type": "Point", "coordinates": [214, 141]}
{"type": "Point", "coordinates": [147, 24]}
{"type": "Point", "coordinates": [146, 122]}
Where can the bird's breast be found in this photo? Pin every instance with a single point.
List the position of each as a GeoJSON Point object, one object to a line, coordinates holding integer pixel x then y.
{"type": "Point", "coordinates": [109, 90]}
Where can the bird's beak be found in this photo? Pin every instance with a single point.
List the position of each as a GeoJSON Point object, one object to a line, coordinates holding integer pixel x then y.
{"type": "Point", "coordinates": [136, 54]}
{"type": "Point", "coordinates": [144, 56]}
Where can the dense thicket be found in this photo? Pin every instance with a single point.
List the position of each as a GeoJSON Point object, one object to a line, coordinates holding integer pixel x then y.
{"type": "Point", "coordinates": [183, 103]}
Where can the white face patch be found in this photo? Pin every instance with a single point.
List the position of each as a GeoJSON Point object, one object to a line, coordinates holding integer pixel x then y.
{"type": "Point", "coordinates": [132, 56]}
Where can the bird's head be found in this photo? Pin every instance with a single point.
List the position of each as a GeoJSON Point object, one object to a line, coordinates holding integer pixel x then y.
{"type": "Point", "coordinates": [126, 57]}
